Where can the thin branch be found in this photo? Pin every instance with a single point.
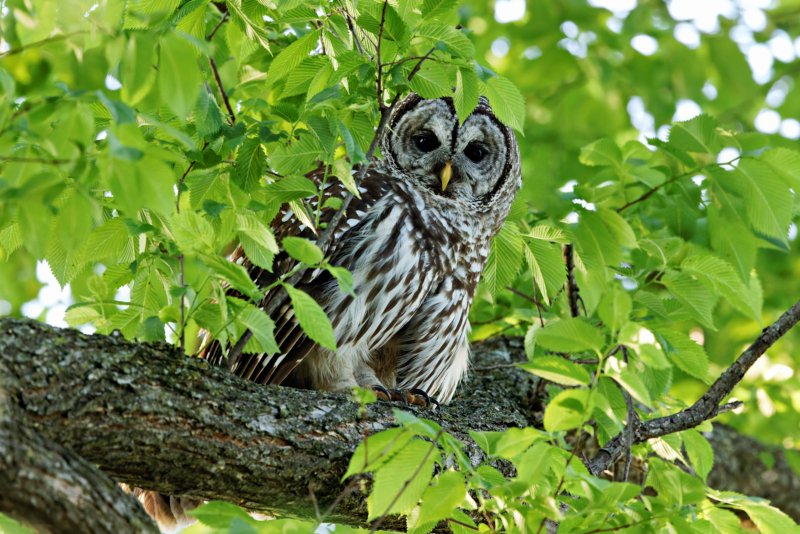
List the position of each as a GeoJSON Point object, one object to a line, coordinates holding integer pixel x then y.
{"type": "Point", "coordinates": [419, 65]}
{"type": "Point", "coordinates": [353, 31]}
{"type": "Point", "coordinates": [214, 69]}
{"type": "Point", "coordinates": [708, 405]}
{"type": "Point", "coordinates": [632, 417]}
{"type": "Point", "coordinates": [570, 285]}
{"type": "Point", "coordinates": [43, 42]}
{"type": "Point", "coordinates": [378, 55]}
{"type": "Point", "coordinates": [470, 527]}
{"type": "Point", "coordinates": [224, 16]}
{"type": "Point", "coordinates": [180, 258]}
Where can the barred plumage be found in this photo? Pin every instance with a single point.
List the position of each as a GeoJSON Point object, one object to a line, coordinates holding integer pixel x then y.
{"type": "Point", "coordinates": [415, 242]}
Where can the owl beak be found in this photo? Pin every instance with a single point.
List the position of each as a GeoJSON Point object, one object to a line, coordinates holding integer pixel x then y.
{"type": "Point", "coordinates": [446, 174]}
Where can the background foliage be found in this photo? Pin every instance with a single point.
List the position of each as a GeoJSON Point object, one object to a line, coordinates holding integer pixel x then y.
{"type": "Point", "coordinates": [139, 143]}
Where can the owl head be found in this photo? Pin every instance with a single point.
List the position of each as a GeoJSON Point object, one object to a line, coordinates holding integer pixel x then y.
{"type": "Point", "coordinates": [475, 164]}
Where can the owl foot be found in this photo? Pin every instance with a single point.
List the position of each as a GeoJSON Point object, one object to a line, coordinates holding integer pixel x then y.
{"type": "Point", "coordinates": [414, 396]}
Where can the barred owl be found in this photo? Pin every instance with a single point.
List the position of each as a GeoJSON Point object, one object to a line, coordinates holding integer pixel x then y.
{"type": "Point", "coordinates": [416, 242]}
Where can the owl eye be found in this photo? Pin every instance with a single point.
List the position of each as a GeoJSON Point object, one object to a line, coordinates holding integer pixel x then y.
{"type": "Point", "coordinates": [426, 141]}
{"type": "Point", "coordinates": [475, 152]}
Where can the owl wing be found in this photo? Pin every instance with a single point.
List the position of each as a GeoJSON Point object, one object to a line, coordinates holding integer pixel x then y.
{"type": "Point", "coordinates": [293, 343]}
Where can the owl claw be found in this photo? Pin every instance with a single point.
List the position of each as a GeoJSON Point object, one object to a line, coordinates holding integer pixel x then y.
{"type": "Point", "coordinates": [382, 392]}
{"type": "Point", "coordinates": [428, 399]}
{"type": "Point", "coordinates": [398, 395]}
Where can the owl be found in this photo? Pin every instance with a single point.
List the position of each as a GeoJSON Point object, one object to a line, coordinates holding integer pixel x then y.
{"type": "Point", "coordinates": [415, 243]}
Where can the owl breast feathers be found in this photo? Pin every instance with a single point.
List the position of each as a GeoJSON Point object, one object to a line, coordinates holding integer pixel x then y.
{"type": "Point", "coordinates": [415, 242]}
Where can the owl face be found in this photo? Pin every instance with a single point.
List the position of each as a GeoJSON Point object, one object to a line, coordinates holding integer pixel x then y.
{"type": "Point", "coordinates": [469, 163]}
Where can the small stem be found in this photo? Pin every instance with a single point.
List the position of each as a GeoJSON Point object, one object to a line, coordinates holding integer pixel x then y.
{"type": "Point", "coordinates": [41, 43]}
{"type": "Point", "coordinates": [378, 55]}
{"type": "Point", "coordinates": [629, 424]}
{"type": "Point", "coordinates": [232, 118]}
{"type": "Point", "coordinates": [570, 285]}
{"type": "Point", "coordinates": [224, 16]}
{"type": "Point", "coordinates": [44, 161]}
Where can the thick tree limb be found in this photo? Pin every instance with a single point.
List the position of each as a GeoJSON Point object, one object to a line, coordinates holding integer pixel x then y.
{"type": "Point", "coordinates": [159, 421]}
{"type": "Point", "coordinates": [151, 418]}
{"type": "Point", "coordinates": [50, 489]}
{"type": "Point", "coordinates": [708, 405]}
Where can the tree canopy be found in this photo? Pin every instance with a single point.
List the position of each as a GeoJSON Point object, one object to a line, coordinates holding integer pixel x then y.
{"type": "Point", "coordinates": [652, 241]}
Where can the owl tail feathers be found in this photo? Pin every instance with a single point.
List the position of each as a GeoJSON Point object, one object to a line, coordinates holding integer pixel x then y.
{"type": "Point", "coordinates": [169, 513]}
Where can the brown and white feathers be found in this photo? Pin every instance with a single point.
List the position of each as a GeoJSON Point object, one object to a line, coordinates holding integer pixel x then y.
{"type": "Point", "coordinates": [415, 242]}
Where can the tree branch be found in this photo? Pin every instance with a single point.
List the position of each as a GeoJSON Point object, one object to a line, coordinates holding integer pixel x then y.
{"type": "Point", "coordinates": [153, 418]}
{"type": "Point", "coordinates": [50, 489]}
{"type": "Point", "coordinates": [708, 405]}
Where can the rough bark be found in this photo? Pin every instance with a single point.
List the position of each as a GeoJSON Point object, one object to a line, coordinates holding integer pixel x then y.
{"type": "Point", "coordinates": [153, 419]}
{"type": "Point", "coordinates": [51, 489]}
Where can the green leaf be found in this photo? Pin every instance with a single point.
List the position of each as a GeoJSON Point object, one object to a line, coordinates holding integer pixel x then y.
{"type": "Point", "coordinates": [700, 452]}
{"type": "Point", "coordinates": [602, 152]}
{"type": "Point", "coordinates": [694, 296]}
{"type": "Point", "coordinates": [343, 278]}
{"type": "Point", "coordinates": [547, 266]}
{"type": "Point", "coordinates": [466, 96]}
{"type": "Point", "coordinates": [530, 340]}
{"type": "Point", "coordinates": [456, 42]}
{"type": "Point", "coordinates": [302, 249]}
{"type": "Point", "coordinates": [687, 354]}
{"type": "Point", "coordinates": [615, 308]}
{"type": "Point", "coordinates": [567, 410]}
{"type": "Point", "coordinates": [504, 258]}
{"type": "Point", "coordinates": [252, 30]}
{"type": "Point", "coordinates": [439, 501]}
{"type": "Point", "coordinates": [257, 240]}
{"type": "Point", "coordinates": [597, 246]}
{"type": "Point", "coordinates": [107, 241]}
{"type": "Point", "coordinates": [137, 74]}
{"type": "Point", "coordinates": [433, 9]}
{"type": "Point", "coordinates": [376, 450]}
{"type": "Point", "coordinates": [312, 318]}
{"type": "Point", "coordinates": [431, 81]}
{"type": "Point", "coordinates": [785, 163]}
{"type": "Point", "coordinates": [506, 101]}
{"type": "Point", "coordinates": [81, 315]}
{"type": "Point", "coordinates": [219, 514]}
{"type": "Point", "coordinates": [570, 335]}
{"type": "Point", "coordinates": [262, 327]}
{"type": "Point", "coordinates": [234, 274]}
{"type": "Point", "coordinates": [178, 75]}
{"type": "Point", "coordinates": [297, 157]}
{"type": "Point", "coordinates": [193, 231]}
{"type": "Point", "coordinates": [406, 475]}
{"type": "Point", "coordinates": [767, 199]}
{"type": "Point", "coordinates": [618, 227]}
{"type": "Point", "coordinates": [207, 115]}
{"type": "Point", "coordinates": [291, 188]}
{"type": "Point", "coordinates": [558, 370]}
{"type": "Point", "coordinates": [719, 274]}
{"type": "Point", "coordinates": [193, 19]}
{"type": "Point", "coordinates": [696, 135]}
{"type": "Point", "coordinates": [250, 162]}
{"type": "Point", "coordinates": [633, 385]}
{"type": "Point", "coordinates": [292, 55]}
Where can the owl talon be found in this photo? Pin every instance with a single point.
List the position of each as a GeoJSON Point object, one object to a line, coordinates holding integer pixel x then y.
{"type": "Point", "coordinates": [399, 396]}
{"type": "Point", "coordinates": [428, 399]}
{"type": "Point", "coordinates": [382, 392]}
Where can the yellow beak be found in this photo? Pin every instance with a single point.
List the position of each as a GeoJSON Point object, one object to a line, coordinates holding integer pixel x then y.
{"type": "Point", "coordinates": [446, 174]}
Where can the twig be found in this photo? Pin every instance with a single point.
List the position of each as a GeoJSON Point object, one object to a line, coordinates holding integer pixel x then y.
{"type": "Point", "coordinates": [180, 258]}
{"type": "Point", "coordinates": [632, 417]}
{"type": "Point", "coordinates": [416, 69]}
{"type": "Point", "coordinates": [353, 31]}
{"type": "Point", "coordinates": [378, 55]}
{"type": "Point", "coordinates": [708, 405]}
{"type": "Point", "coordinates": [464, 525]}
{"type": "Point", "coordinates": [41, 43]}
{"type": "Point", "coordinates": [533, 299]}
{"type": "Point", "coordinates": [213, 64]}
{"type": "Point", "coordinates": [407, 482]}
{"type": "Point", "coordinates": [570, 285]}
{"type": "Point", "coordinates": [224, 16]}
